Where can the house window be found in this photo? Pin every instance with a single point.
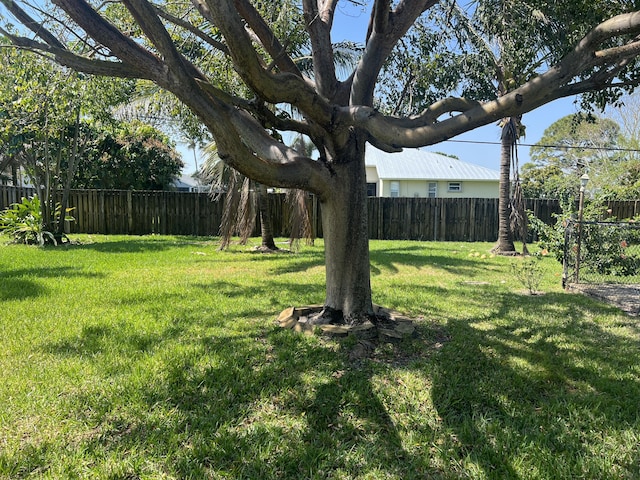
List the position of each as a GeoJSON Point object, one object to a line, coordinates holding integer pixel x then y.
{"type": "Point", "coordinates": [395, 189]}
{"type": "Point", "coordinates": [433, 190]}
{"type": "Point", "coordinates": [371, 190]}
{"type": "Point", "coordinates": [455, 186]}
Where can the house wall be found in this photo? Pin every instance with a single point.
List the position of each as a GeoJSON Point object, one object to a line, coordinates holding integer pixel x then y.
{"type": "Point", "coordinates": [372, 175]}
{"type": "Point", "coordinates": [420, 188]}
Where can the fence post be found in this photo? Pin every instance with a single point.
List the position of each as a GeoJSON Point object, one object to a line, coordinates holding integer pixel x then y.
{"type": "Point", "coordinates": [565, 254]}
{"type": "Point", "coordinates": [129, 212]}
{"type": "Point", "coordinates": [436, 220]}
{"type": "Point", "coordinates": [197, 214]}
{"type": "Point", "coordinates": [102, 218]}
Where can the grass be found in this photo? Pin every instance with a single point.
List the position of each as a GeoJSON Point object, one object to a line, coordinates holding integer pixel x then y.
{"type": "Point", "coordinates": [159, 358]}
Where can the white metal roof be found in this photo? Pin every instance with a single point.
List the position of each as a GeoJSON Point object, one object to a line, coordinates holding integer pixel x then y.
{"type": "Point", "coordinates": [414, 164]}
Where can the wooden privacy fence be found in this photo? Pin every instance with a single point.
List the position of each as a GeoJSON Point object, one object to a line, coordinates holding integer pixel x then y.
{"type": "Point", "coordinates": [183, 213]}
{"type": "Point", "coordinates": [134, 212]}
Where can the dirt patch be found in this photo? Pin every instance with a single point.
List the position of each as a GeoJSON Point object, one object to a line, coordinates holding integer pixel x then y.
{"type": "Point", "coordinates": [624, 296]}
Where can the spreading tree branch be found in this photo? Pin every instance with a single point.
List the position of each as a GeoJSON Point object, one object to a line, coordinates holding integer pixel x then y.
{"type": "Point", "coordinates": [123, 47]}
{"type": "Point", "coordinates": [193, 29]}
{"type": "Point", "coordinates": [76, 62]}
{"type": "Point", "coordinates": [319, 20]}
{"type": "Point", "coordinates": [561, 80]}
{"type": "Point", "coordinates": [268, 39]}
{"type": "Point", "coordinates": [380, 44]}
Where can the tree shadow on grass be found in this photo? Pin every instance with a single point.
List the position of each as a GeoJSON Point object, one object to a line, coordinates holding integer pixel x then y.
{"type": "Point", "coordinates": [383, 260]}
{"type": "Point", "coordinates": [313, 416]}
{"type": "Point", "coordinates": [20, 289]}
{"type": "Point", "coordinates": [132, 244]}
{"type": "Point", "coordinates": [96, 339]}
{"type": "Point", "coordinates": [551, 389]}
{"type": "Point", "coordinates": [388, 259]}
{"type": "Point", "coordinates": [270, 293]}
{"type": "Point", "coordinates": [262, 403]}
{"type": "Point", "coordinates": [22, 283]}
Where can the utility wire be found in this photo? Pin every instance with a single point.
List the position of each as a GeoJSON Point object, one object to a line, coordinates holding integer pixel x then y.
{"type": "Point", "coordinates": [558, 147]}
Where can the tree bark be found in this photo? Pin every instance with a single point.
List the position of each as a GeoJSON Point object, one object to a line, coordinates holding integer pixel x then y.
{"type": "Point", "coordinates": [266, 227]}
{"type": "Point", "coordinates": [68, 181]}
{"type": "Point", "coordinates": [505, 235]}
{"type": "Point", "coordinates": [346, 239]}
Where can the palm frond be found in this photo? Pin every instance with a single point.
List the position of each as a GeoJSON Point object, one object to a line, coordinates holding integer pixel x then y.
{"type": "Point", "coordinates": [299, 220]}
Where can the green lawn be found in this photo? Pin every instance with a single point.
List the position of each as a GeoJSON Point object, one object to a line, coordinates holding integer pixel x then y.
{"type": "Point", "coordinates": [159, 357]}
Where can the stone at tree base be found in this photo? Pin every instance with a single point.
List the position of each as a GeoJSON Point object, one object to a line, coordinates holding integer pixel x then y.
{"type": "Point", "coordinates": [387, 326]}
{"type": "Point", "coordinates": [288, 322]}
{"type": "Point", "coordinates": [366, 330]}
{"type": "Point", "coordinates": [305, 328]}
{"type": "Point", "coordinates": [286, 314]}
{"type": "Point", "coordinates": [405, 327]}
{"type": "Point", "coordinates": [337, 330]}
{"type": "Point", "coordinates": [388, 335]}
{"type": "Point", "coordinates": [308, 310]}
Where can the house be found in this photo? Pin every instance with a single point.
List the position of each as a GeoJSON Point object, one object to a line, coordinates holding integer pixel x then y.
{"type": "Point", "coordinates": [418, 173]}
{"type": "Point", "coordinates": [187, 183]}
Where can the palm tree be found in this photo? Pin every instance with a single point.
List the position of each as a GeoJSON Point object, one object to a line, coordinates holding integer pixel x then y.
{"type": "Point", "coordinates": [495, 24]}
{"type": "Point", "coordinates": [511, 209]}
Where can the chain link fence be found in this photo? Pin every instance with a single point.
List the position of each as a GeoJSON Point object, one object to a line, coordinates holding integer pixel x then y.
{"type": "Point", "coordinates": [601, 253]}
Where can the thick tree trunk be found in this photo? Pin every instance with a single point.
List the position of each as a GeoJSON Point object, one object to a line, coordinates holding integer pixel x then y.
{"type": "Point", "coordinates": [505, 235]}
{"type": "Point", "coordinates": [345, 232]}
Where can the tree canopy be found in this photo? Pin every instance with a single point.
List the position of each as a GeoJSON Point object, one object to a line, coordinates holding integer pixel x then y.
{"type": "Point", "coordinates": [58, 126]}
{"type": "Point", "coordinates": [234, 64]}
{"type": "Point", "coordinates": [577, 144]}
{"type": "Point", "coordinates": [131, 156]}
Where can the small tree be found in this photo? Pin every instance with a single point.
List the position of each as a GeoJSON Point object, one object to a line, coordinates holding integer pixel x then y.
{"type": "Point", "coordinates": [41, 106]}
{"type": "Point", "coordinates": [242, 198]}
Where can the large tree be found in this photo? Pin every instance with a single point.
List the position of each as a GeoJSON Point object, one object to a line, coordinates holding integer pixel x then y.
{"type": "Point", "coordinates": [622, 180]}
{"type": "Point", "coordinates": [338, 115]}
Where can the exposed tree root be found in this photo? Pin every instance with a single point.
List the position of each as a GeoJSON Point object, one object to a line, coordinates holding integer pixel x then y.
{"type": "Point", "coordinates": [385, 325]}
{"type": "Point", "coordinates": [266, 249]}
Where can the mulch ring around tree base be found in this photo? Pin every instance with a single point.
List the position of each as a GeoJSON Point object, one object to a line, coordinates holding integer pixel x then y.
{"type": "Point", "coordinates": [624, 296]}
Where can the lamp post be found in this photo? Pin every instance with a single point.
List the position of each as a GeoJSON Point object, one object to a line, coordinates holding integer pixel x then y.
{"type": "Point", "coordinates": [584, 179]}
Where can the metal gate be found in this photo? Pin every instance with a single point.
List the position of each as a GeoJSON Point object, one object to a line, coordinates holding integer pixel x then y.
{"type": "Point", "coordinates": [601, 252]}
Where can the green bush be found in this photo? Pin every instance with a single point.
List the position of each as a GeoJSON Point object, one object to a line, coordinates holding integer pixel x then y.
{"type": "Point", "coordinates": [24, 222]}
{"type": "Point", "coordinates": [529, 273]}
{"type": "Point", "coordinates": [605, 249]}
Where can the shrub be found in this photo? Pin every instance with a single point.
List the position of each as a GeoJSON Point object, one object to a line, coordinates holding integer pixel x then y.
{"type": "Point", "coordinates": [529, 273]}
{"type": "Point", "coordinates": [24, 222]}
{"type": "Point", "coordinates": [604, 247]}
